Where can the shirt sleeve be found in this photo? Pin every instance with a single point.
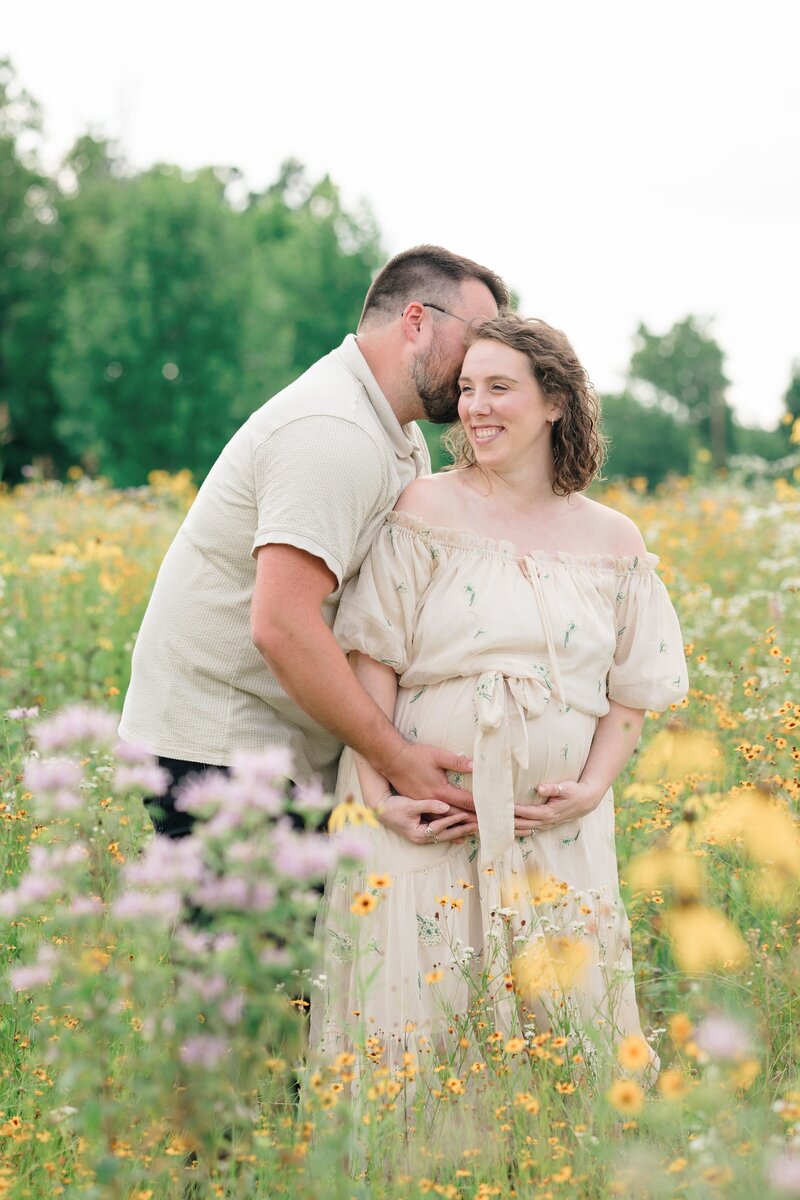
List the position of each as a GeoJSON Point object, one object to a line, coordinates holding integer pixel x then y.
{"type": "Point", "coordinates": [378, 606]}
{"type": "Point", "coordinates": [649, 668]}
{"type": "Point", "coordinates": [318, 480]}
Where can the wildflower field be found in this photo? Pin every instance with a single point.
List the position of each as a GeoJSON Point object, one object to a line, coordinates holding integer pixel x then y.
{"type": "Point", "coordinates": [149, 1053]}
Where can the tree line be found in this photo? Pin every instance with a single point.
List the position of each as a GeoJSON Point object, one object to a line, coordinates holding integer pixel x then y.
{"type": "Point", "coordinates": [145, 314]}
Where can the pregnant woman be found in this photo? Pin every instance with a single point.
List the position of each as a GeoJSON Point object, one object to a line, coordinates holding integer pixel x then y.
{"type": "Point", "coordinates": [502, 615]}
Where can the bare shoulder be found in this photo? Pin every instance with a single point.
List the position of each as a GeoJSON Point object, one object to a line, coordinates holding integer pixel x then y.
{"type": "Point", "coordinates": [611, 531]}
{"type": "Point", "coordinates": [432, 498]}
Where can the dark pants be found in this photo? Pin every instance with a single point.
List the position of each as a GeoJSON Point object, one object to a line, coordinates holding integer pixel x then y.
{"type": "Point", "coordinates": [166, 818]}
{"type": "Point", "coordinates": [171, 822]}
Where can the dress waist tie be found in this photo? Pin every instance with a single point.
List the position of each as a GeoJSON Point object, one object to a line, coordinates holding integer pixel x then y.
{"type": "Point", "coordinates": [502, 704]}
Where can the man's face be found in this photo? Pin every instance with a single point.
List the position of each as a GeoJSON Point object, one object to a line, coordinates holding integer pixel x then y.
{"type": "Point", "coordinates": [435, 371]}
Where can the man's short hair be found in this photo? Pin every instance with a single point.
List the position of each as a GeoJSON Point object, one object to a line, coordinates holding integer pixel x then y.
{"type": "Point", "coordinates": [425, 273]}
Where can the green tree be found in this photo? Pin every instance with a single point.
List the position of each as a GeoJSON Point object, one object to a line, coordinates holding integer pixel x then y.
{"type": "Point", "coordinates": [769, 444]}
{"type": "Point", "coordinates": [644, 440]}
{"type": "Point", "coordinates": [30, 283]}
{"type": "Point", "coordinates": [320, 257]}
{"type": "Point", "coordinates": [152, 368]}
{"type": "Point", "coordinates": [684, 366]}
{"type": "Point", "coordinates": [791, 401]}
{"type": "Point", "coordinates": [183, 312]}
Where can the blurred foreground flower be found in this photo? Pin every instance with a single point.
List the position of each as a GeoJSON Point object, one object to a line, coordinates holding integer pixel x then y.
{"type": "Point", "coordinates": [634, 1053]}
{"type": "Point", "coordinates": [783, 1174]}
{"type": "Point", "coordinates": [723, 1038]}
{"type": "Point", "coordinates": [352, 813]}
{"type": "Point", "coordinates": [626, 1096]}
{"type": "Point", "coordinates": [676, 752]}
{"type": "Point", "coordinates": [551, 964]}
{"type": "Point", "coordinates": [664, 868]}
{"type": "Point", "coordinates": [703, 939]}
{"type": "Point", "coordinates": [762, 824]}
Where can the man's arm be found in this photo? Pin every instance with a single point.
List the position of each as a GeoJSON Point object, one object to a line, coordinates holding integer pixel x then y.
{"type": "Point", "coordinates": [299, 648]}
{"type": "Point", "coordinates": [416, 820]}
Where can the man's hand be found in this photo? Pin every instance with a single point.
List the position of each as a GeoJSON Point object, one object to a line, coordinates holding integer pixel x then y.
{"type": "Point", "coordinates": [404, 816]}
{"type": "Point", "coordinates": [564, 801]}
{"type": "Point", "coordinates": [419, 772]}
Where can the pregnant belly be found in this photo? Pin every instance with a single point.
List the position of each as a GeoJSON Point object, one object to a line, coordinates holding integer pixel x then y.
{"type": "Point", "coordinates": [550, 746]}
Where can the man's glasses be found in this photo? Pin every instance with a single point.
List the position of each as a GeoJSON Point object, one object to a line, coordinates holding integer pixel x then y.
{"type": "Point", "coordinates": [445, 311]}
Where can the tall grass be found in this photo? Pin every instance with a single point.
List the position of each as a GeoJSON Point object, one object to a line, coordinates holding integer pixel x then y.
{"type": "Point", "coordinates": [138, 1061]}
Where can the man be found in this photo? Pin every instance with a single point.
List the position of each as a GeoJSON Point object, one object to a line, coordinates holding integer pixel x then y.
{"type": "Point", "coordinates": [236, 651]}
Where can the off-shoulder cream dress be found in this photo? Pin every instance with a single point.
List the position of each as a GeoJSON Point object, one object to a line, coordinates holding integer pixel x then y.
{"type": "Point", "coordinates": [511, 661]}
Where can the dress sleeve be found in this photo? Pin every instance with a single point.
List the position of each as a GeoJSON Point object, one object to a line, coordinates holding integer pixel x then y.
{"type": "Point", "coordinates": [649, 668]}
{"type": "Point", "coordinates": [376, 612]}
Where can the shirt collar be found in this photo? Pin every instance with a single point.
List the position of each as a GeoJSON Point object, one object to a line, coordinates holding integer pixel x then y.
{"type": "Point", "coordinates": [402, 443]}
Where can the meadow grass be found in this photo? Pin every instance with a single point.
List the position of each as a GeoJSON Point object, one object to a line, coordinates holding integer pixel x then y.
{"type": "Point", "coordinates": [91, 1104]}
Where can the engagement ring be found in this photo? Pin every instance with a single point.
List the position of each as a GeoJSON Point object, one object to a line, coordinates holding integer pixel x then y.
{"type": "Point", "coordinates": [558, 785]}
{"type": "Point", "coordinates": [430, 834]}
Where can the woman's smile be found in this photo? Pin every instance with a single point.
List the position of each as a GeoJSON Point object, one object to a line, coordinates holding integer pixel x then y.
{"type": "Point", "coordinates": [486, 433]}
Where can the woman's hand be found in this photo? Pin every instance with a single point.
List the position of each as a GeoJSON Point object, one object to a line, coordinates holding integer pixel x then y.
{"type": "Point", "coordinates": [568, 800]}
{"type": "Point", "coordinates": [404, 816]}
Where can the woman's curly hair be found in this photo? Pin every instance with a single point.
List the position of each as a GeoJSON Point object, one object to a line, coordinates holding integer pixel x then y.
{"type": "Point", "coordinates": [578, 444]}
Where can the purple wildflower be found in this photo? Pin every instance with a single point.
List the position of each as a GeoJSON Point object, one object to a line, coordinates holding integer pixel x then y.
{"type": "Point", "coordinates": [148, 778]}
{"type": "Point", "coordinates": [194, 941]}
{"type": "Point", "coordinates": [262, 767]}
{"type": "Point", "coordinates": [167, 862]}
{"type": "Point", "coordinates": [203, 794]}
{"type": "Point", "coordinates": [301, 857]}
{"type": "Point", "coordinates": [24, 979]}
{"type": "Point", "coordinates": [131, 752]}
{"type": "Point", "coordinates": [723, 1038]}
{"type": "Point", "coordinates": [204, 1050]}
{"type": "Point", "coordinates": [783, 1174]}
{"type": "Point", "coordinates": [275, 956]}
{"type": "Point", "coordinates": [351, 846]}
{"type": "Point", "coordinates": [75, 725]}
{"type": "Point", "coordinates": [10, 906]}
{"type": "Point", "coordinates": [36, 974]}
{"type": "Point", "coordinates": [49, 859]}
{"type": "Point", "coordinates": [85, 906]}
{"type": "Point", "coordinates": [208, 987]}
{"type": "Point", "coordinates": [23, 714]}
{"type": "Point", "coordinates": [231, 1008]}
{"type": "Point", "coordinates": [225, 892]}
{"type": "Point", "coordinates": [52, 775]}
{"type": "Point", "coordinates": [160, 906]}
{"type": "Point", "coordinates": [311, 797]}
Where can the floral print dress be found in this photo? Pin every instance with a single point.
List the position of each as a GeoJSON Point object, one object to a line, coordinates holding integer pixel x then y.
{"type": "Point", "coordinates": [511, 661]}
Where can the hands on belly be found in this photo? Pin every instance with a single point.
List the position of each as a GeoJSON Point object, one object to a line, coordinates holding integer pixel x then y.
{"type": "Point", "coordinates": [568, 800]}
{"type": "Point", "coordinates": [424, 821]}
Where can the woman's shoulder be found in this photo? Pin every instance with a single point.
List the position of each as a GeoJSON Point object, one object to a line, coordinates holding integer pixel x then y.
{"type": "Point", "coordinates": [608, 531]}
{"type": "Point", "coordinates": [432, 499]}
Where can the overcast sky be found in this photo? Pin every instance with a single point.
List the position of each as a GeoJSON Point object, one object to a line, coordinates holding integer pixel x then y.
{"type": "Point", "coordinates": [616, 161]}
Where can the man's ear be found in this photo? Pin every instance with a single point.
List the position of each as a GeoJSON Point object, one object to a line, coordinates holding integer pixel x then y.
{"type": "Point", "coordinates": [412, 318]}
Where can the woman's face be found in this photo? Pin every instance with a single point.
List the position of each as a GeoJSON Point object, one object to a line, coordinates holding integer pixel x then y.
{"type": "Point", "coordinates": [501, 406]}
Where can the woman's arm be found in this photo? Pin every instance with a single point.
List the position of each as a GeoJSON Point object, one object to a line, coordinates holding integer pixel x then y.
{"type": "Point", "coordinates": [613, 743]}
{"type": "Point", "coordinates": [400, 813]}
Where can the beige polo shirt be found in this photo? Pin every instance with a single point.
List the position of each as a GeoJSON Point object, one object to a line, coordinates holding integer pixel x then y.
{"type": "Point", "coordinates": [317, 467]}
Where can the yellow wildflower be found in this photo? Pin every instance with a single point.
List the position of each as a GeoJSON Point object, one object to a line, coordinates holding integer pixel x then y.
{"type": "Point", "coordinates": [633, 1053]}
{"type": "Point", "coordinates": [350, 812]}
{"type": "Point", "coordinates": [626, 1096]}
{"type": "Point", "coordinates": [702, 939]}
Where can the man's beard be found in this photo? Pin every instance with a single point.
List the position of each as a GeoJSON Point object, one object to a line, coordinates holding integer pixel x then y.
{"type": "Point", "coordinates": [436, 382]}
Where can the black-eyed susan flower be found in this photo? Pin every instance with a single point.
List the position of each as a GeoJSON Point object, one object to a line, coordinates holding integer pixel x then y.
{"type": "Point", "coordinates": [350, 812]}
{"type": "Point", "coordinates": [626, 1096]}
{"type": "Point", "coordinates": [633, 1053]}
{"type": "Point", "coordinates": [363, 903]}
